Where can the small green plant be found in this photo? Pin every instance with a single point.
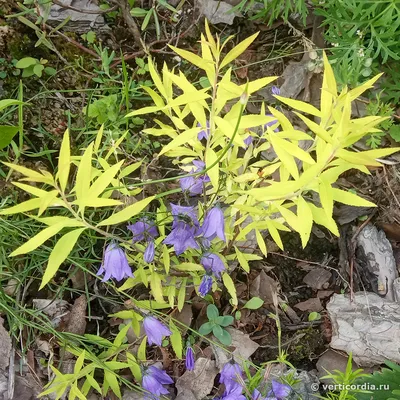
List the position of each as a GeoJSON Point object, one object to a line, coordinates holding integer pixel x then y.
{"type": "Point", "coordinates": [32, 66]}
{"type": "Point", "coordinates": [271, 10]}
{"type": "Point", "coordinates": [388, 126]}
{"type": "Point", "coordinates": [216, 324]}
{"type": "Point", "coordinates": [345, 381]}
{"type": "Point", "coordinates": [143, 67]}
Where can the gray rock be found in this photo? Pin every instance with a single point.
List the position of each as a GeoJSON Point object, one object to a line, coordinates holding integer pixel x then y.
{"type": "Point", "coordinates": [331, 360]}
{"type": "Point", "coordinates": [317, 278]}
{"type": "Point", "coordinates": [5, 346]}
{"type": "Point", "coordinates": [368, 327]}
{"type": "Point", "coordinates": [78, 22]}
{"type": "Point", "coordinates": [217, 12]}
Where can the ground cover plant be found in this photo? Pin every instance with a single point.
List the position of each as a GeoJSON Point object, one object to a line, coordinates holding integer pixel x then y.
{"type": "Point", "coordinates": [155, 193]}
{"type": "Point", "coordinates": [225, 193]}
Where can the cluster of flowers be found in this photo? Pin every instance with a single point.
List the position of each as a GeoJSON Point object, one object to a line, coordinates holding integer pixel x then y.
{"type": "Point", "coordinates": [186, 233]}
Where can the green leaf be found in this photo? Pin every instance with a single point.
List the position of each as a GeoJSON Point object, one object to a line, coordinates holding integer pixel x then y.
{"type": "Point", "coordinates": [254, 303]}
{"type": "Point", "coordinates": [79, 362]}
{"type": "Point", "coordinates": [7, 132]}
{"type": "Point", "coordinates": [112, 380]}
{"type": "Point", "coordinates": [242, 260]}
{"type": "Point", "coordinates": [83, 175]}
{"type": "Point", "coordinates": [9, 102]}
{"type": "Point", "coordinates": [141, 354]}
{"type": "Point", "coordinates": [224, 320]}
{"type": "Point", "coordinates": [128, 212]}
{"type": "Point", "coordinates": [345, 197]}
{"type": "Point", "coordinates": [93, 383]}
{"type": "Point", "coordinates": [212, 312]}
{"type": "Point", "coordinates": [60, 252]}
{"type": "Point", "coordinates": [222, 335]}
{"type": "Point", "coordinates": [176, 339]}
{"type": "Point", "coordinates": [38, 70]}
{"type": "Point", "coordinates": [206, 328]}
{"type": "Point", "coordinates": [314, 316]}
{"type": "Point", "coordinates": [26, 62]}
{"type": "Point", "coordinates": [213, 173]}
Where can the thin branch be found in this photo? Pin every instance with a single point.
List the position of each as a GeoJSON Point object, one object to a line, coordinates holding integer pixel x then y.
{"type": "Point", "coordinates": [99, 11]}
{"type": "Point", "coordinates": [129, 20]}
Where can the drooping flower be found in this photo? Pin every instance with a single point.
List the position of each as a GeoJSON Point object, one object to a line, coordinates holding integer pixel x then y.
{"type": "Point", "coordinates": [279, 391]}
{"type": "Point", "coordinates": [143, 230]}
{"type": "Point", "coordinates": [230, 375]}
{"type": "Point", "coordinates": [205, 285]}
{"type": "Point", "coordinates": [153, 381]}
{"type": "Point", "coordinates": [212, 263]}
{"type": "Point", "coordinates": [234, 394]}
{"type": "Point", "coordinates": [189, 359]}
{"type": "Point", "coordinates": [149, 252]}
{"type": "Point", "coordinates": [115, 264]}
{"type": "Point", "coordinates": [185, 227]}
{"type": "Point", "coordinates": [248, 141]}
{"type": "Point", "coordinates": [214, 224]}
{"type": "Point", "coordinates": [271, 123]}
{"type": "Point", "coordinates": [205, 133]}
{"type": "Point", "coordinates": [275, 90]}
{"type": "Point", "coordinates": [155, 330]}
{"type": "Point", "coordinates": [195, 185]}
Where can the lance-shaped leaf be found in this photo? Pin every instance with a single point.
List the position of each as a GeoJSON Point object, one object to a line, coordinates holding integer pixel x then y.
{"type": "Point", "coordinates": [127, 213]}
{"type": "Point", "coordinates": [64, 162]}
{"type": "Point", "coordinates": [83, 175]}
{"type": "Point", "coordinates": [60, 252]}
{"type": "Point", "coordinates": [238, 50]}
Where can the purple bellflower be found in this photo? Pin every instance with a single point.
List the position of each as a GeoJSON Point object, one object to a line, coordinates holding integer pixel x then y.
{"type": "Point", "coordinates": [185, 227]}
{"type": "Point", "coordinates": [205, 133]}
{"type": "Point", "coordinates": [234, 394]}
{"type": "Point", "coordinates": [271, 123]}
{"type": "Point", "coordinates": [248, 141]}
{"type": "Point", "coordinates": [212, 263]}
{"type": "Point", "coordinates": [144, 230]}
{"type": "Point", "coordinates": [213, 224]}
{"type": "Point", "coordinates": [155, 330]}
{"type": "Point", "coordinates": [115, 264]}
{"type": "Point", "coordinates": [205, 285]}
{"type": "Point", "coordinates": [230, 375]}
{"type": "Point", "coordinates": [189, 359]}
{"type": "Point", "coordinates": [194, 185]}
{"type": "Point", "coordinates": [153, 381]}
{"type": "Point", "coordinates": [279, 391]}
{"type": "Point", "coordinates": [275, 90]}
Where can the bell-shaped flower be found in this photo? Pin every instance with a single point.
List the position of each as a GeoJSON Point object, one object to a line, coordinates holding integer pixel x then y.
{"type": "Point", "coordinates": [189, 359]}
{"type": "Point", "coordinates": [231, 375]}
{"type": "Point", "coordinates": [153, 381]}
{"type": "Point", "coordinates": [275, 90]}
{"type": "Point", "coordinates": [235, 394]}
{"type": "Point", "coordinates": [195, 185]}
{"type": "Point", "coordinates": [205, 285]}
{"type": "Point", "coordinates": [149, 252]}
{"type": "Point", "coordinates": [182, 237]}
{"type": "Point", "coordinates": [279, 391]}
{"type": "Point", "coordinates": [214, 224]}
{"type": "Point", "coordinates": [205, 133]}
{"type": "Point", "coordinates": [115, 264]}
{"type": "Point", "coordinates": [212, 263]}
{"type": "Point", "coordinates": [155, 330]}
{"type": "Point", "coordinates": [188, 215]}
{"type": "Point", "coordinates": [143, 230]}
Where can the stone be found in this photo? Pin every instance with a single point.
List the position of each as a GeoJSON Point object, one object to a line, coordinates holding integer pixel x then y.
{"type": "Point", "coordinates": [312, 305]}
{"type": "Point", "coordinates": [330, 361]}
{"type": "Point", "coordinates": [5, 346]}
{"type": "Point", "coordinates": [217, 12]}
{"type": "Point", "coordinates": [368, 327]}
{"type": "Point", "coordinates": [317, 278]}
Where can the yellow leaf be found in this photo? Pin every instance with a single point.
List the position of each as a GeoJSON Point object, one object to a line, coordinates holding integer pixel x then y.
{"type": "Point", "coordinates": [273, 231]}
{"type": "Point", "coordinates": [326, 197]}
{"type": "Point", "coordinates": [230, 287]}
{"type": "Point", "coordinates": [305, 219]}
{"type": "Point", "coordinates": [31, 189]}
{"type": "Point", "coordinates": [300, 105]}
{"type": "Point", "coordinates": [238, 50]}
{"type": "Point", "coordinates": [182, 294]}
{"type": "Point", "coordinates": [261, 243]}
{"type": "Point", "coordinates": [47, 200]}
{"type": "Point", "coordinates": [293, 149]}
{"type": "Point", "coordinates": [112, 380]}
{"type": "Point", "coordinates": [22, 207]}
{"type": "Point", "coordinates": [30, 174]}
{"type": "Point", "coordinates": [345, 197]}
{"type": "Point", "coordinates": [55, 220]}
{"type": "Point", "coordinates": [193, 58]}
{"type": "Point", "coordinates": [64, 162]}
{"type": "Point", "coordinates": [242, 260]}
{"type": "Point", "coordinates": [100, 202]}
{"type": "Point", "coordinates": [321, 218]}
{"type": "Point", "coordinates": [291, 218]}
{"type": "Point", "coordinates": [189, 267]}
{"type": "Point", "coordinates": [176, 339]}
{"type": "Point", "coordinates": [156, 78]}
{"type": "Point", "coordinates": [228, 130]}
{"type": "Point", "coordinates": [158, 101]}
{"type": "Point", "coordinates": [183, 138]}
{"type": "Point", "coordinates": [358, 91]}
{"type": "Point", "coordinates": [102, 182]}
{"type": "Point", "coordinates": [99, 137]}
{"type": "Point", "coordinates": [287, 159]}
{"type": "Point", "coordinates": [213, 172]}
{"type": "Point", "coordinates": [128, 212]}
{"type": "Point", "coordinates": [144, 110]}
{"type": "Point", "coordinates": [317, 129]}
{"type": "Point", "coordinates": [156, 287]}
{"type": "Point", "coordinates": [328, 91]}
{"type": "Point", "coordinates": [83, 175]}
{"type": "Point", "coordinates": [40, 238]}
{"type": "Point", "coordinates": [278, 190]}
{"type": "Point", "coordinates": [141, 354]}
{"type": "Point", "coordinates": [254, 86]}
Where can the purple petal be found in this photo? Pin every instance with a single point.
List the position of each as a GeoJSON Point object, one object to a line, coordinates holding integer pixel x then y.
{"type": "Point", "coordinates": [143, 230]}
{"type": "Point", "coordinates": [155, 330]}
{"type": "Point", "coordinates": [280, 390]}
{"type": "Point", "coordinates": [214, 224]}
{"type": "Point", "coordinates": [149, 252]}
{"type": "Point", "coordinates": [205, 285]}
{"type": "Point", "coordinates": [115, 264]}
{"type": "Point", "coordinates": [185, 214]}
{"type": "Point", "coordinates": [189, 359]}
{"type": "Point", "coordinates": [275, 90]}
{"type": "Point", "coordinates": [160, 375]}
{"type": "Point", "coordinates": [212, 263]}
{"type": "Point", "coordinates": [248, 141]}
{"type": "Point", "coordinates": [182, 237]}
{"type": "Point", "coordinates": [230, 374]}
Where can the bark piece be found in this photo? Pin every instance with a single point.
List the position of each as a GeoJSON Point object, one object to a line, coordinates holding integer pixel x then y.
{"type": "Point", "coordinates": [318, 278]}
{"type": "Point", "coordinates": [5, 346]}
{"type": "Point", "coordinates": [312, 305]}
{"type": "Point", "coordinates": [197, 384]}
{"type": "Point", "coordinates": [264, 287]}
{"type": "Point", "coordinates": [375, 256]}
{"type": "Point", "coordinates": [369, 327]}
